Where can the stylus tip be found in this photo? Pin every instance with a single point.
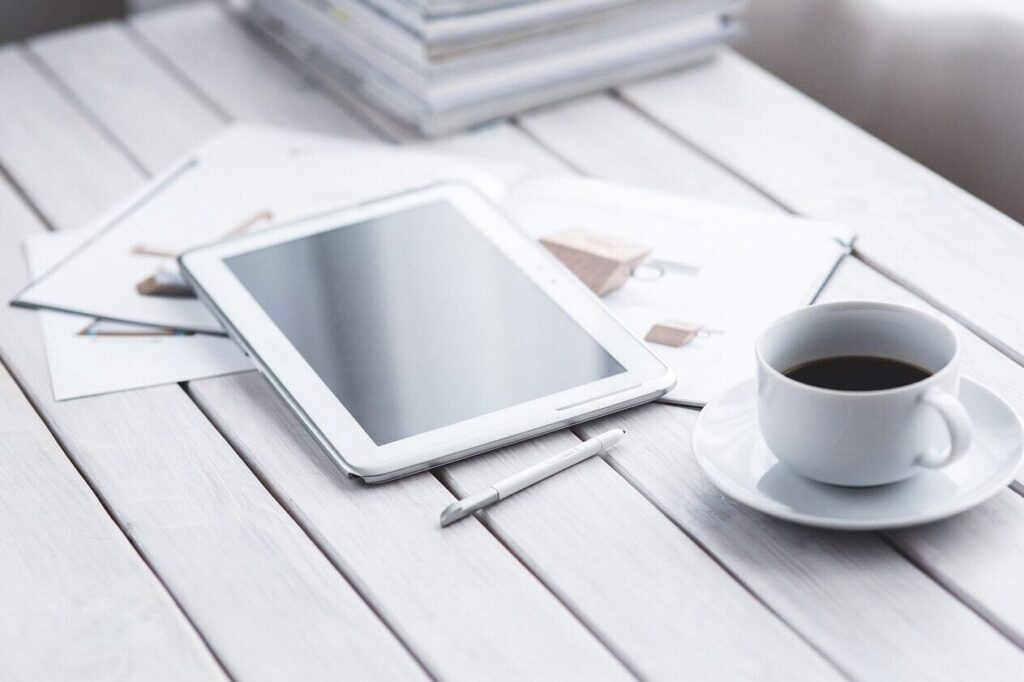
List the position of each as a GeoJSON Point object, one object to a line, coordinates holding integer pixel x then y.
{"type": "Point", "coordinates": [460, 509]}
{"type": "Point", "coordinates": [452, 513]}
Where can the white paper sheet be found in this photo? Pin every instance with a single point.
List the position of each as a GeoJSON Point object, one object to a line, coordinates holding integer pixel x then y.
{"type": "Point", "coordinates": [242, 173]}
{"type": "Point", "coordinates": [732, 270]}
{"type": "Point", "coordinates": [89, 357]}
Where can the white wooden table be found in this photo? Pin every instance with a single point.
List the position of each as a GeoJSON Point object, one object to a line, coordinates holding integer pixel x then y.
{"type": "Point", "coordinates": [195, 532]}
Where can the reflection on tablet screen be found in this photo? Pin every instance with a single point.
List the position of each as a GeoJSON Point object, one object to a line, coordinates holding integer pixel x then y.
{"type": "Point", "coordinates": [416, 321]}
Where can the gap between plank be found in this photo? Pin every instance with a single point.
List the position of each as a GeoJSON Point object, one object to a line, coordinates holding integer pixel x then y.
{"type": "Point", "coordinates": [186, 81]}
{"type": "Point", "coordinates": [983, 613]}
{"type": "Point", "coordinates": [442, 478]}
{"type": "Point", "coordinates": [1014, 355]}
{"type": "Point", "coordinates": [54, 80]}
{"type": "Point", "coordinates": [484, 519]}
{"type": "Point", "coordinates": [321, 547]}
{"type": "Point", "coordinates": [616, 95]}
{"type": "Point", "coordinates": [196, 90]}
{"type": "Point", "coordinates": [516, 121]}
{"type": "Point", "coordinates": [1011, 354]}
{"type": "Point", "coordinates": [636, 485]}
{"type": "Point", "coordinates": [79, 106]}
{"type": "Point", "coordinates": [310, 73]}
{"type": "Point", "coordinates": [107, 508]}
{"type": "Point", "coordinates": [160, 59]}
{"type": "Point", "coordinates": [1016, 488]}
{"type": "Point", "coordinates": [1015, 485]}
{"type": "Point", "coordinates": [20, 192]}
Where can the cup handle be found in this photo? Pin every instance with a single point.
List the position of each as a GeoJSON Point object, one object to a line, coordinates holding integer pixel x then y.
{"type": "Point", "coordinates": [958, 423]}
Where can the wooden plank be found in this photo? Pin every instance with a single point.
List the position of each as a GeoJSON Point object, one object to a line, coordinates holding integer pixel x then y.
{"type": "Point", "coordinates": [65, 191]}
{"type": "Point", "coordinates": [864, 623]}
{"type": "Point", "coordinates": [649, 591]}
{"type": "Point", "coordinates": [499, 141]}
{"type": "Point", "coordinates": [78, 601]}
{"type": "Point", "coordinates": [103, 65]}
{"type": "Point", "coordinates": [221, 58]}
{"type": "Point", "coordinates": [99, 64]}
{"type": "Point", "coordinates": [267, 601]}
{"type": "Point", "coordinates": [979, 555]}
{"type": "Point", "coordinates": [846, 596]}
{"type": "Point", "coordinates": [946, 245]}
{"type": "Point", "coordinates": [584, 132]}
{"type": "Point", "coordinates": [429, 585]}
{"type": "Point", "coordinates": [863, 605]}
{"type": "Point", "coordinates": [652, 599]}
{"type": "Point", "coordinates": [454, 595]}
{"type": "Point", "coordinates": [981, 361]}
{"type": "Point", "coordinates": [229, 67]}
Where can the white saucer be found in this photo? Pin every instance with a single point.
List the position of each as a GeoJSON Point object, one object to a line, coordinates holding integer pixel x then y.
{"type": "Point", "coordinates": [728, 445]}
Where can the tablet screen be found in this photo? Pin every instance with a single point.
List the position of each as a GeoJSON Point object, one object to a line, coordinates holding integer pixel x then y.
{"type": "Point", "coordinates": [415, 321]}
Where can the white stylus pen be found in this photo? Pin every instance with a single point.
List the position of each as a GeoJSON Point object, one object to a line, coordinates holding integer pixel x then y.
{"type": "Point", "coordinates": [460, 509]}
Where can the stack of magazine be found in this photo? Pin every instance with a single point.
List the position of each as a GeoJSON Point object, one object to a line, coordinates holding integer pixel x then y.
{"type": "Point", "coordinates": [441, 65]}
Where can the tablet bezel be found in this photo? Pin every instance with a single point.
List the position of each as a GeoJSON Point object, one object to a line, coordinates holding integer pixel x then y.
{"type": "Point", "coordinates": [645, 376]}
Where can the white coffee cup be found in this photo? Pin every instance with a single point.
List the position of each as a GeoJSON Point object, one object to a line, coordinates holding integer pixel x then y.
{"type": "Point", "coordinates": [861, 438]}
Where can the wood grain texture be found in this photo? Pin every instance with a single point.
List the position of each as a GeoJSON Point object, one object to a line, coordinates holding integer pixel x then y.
{"type": "Point", "coordinates": [123, 83]}
{"type": "Point", "coordinates": [616, 614]}
{"type": "Point", "coordinates": [49, 161]}
{"type": "Point", "coordinates": [455, 595]}
{"type": "Point", "coordinates": [980, 361]}
{"type": "Point", "coordinates": [430, 585]}
{"type": "Point", "coordinates": [924, 231]}
{"type": "Point", "coordinates": [266, 600]}
{"type": "Point", "coordinates": [979, 555]}
{"type": "Point", "coordinates": [796, 572]}
{"type": "Point", "coordinates": [219, 55]}
{"type": "Point", "coordinates": [863, 605]}
{"type": "Point", "coordinates": [600, 134]}
{"type": "Point", "coordinates": [78, 601]}
{"type": "Point", "coordinates": [100, 65]}
{"type": "Point", "coordinates": [501, 141]}
{"type": "Point", "coordinates": [855, 573]}
{"type": "Point", "coordinates": [651, 593]}
{"type": "Point", "coordinates": [871, 624]}
{"type": "Point", "coordinates": [237, 73]}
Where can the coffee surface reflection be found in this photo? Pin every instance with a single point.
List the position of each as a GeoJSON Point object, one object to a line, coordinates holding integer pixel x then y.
{"type": "Point", "coordinates": [857, 373]}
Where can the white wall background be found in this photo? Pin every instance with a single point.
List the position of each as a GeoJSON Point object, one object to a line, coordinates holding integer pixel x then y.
{"type": "Point", "coordinates": [941, 80]}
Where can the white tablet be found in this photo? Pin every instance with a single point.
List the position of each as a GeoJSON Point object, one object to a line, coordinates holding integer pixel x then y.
{"type": "Point", "coordinates": [420, 329]}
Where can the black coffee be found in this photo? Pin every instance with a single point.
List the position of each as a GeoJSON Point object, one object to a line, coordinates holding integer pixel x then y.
{"type": "Point", "coordinates": [857, 373]}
